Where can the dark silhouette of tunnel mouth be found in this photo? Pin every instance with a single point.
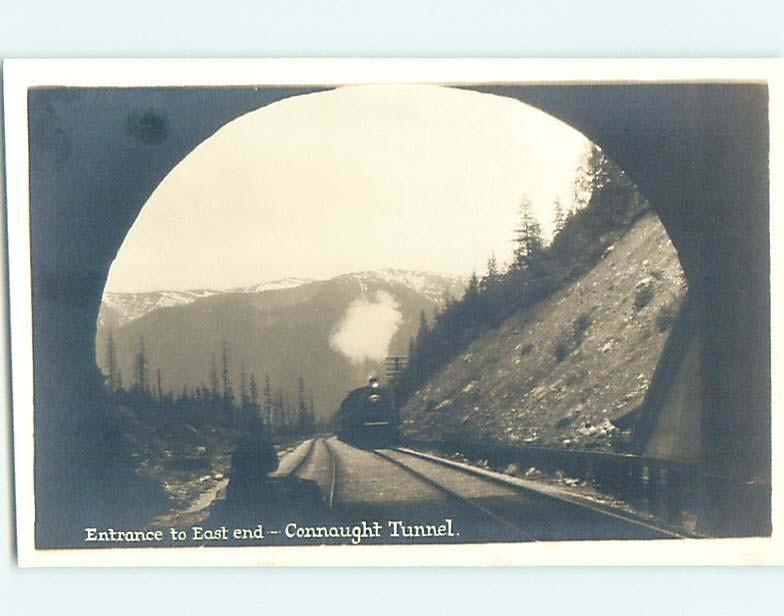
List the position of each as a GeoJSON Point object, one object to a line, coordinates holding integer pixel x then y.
{"type": "Point", "coordinates": [696, 151]}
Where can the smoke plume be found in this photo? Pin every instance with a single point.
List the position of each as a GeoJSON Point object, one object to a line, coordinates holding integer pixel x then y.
{"type": "Point", "coordinates": [367, 328]}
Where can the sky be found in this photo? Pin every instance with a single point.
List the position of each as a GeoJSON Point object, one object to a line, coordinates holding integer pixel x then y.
{"type": "Point", "coordinates": [358, 178]}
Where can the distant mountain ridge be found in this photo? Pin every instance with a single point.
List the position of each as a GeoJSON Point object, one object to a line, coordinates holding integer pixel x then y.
{"type": "Point", "coordinates": [129, 306]}
{"type": "Point", "coordinates": [119, 308]}
{"type": "Point", "coordinates": [282, 283]}
{"type": "Point", "coordinates": [333, 333]}
{"type": "Point", "coordinates": [430, 285]}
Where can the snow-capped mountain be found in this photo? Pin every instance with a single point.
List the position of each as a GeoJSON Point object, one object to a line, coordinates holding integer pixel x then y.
{"type": "Point", "coordinates": [431, 285]}
{"type": "Point", "coordinates": [127, 307]}
{"type": "Point", "coordinates": [118, 309]}
{"type": "Point", "coordinates": [274, 285]}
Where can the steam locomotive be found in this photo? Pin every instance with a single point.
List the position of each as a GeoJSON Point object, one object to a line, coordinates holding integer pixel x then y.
{"type": "Point", "coordinates": [368, 418]}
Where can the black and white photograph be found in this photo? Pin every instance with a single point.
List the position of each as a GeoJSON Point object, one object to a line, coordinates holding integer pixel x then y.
{"type": "Point", "coordinates": [391, 312]}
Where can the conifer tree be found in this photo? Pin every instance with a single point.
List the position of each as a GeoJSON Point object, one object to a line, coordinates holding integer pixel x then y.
{"type": "Point", "coordinates": [302, 409]}
{"type": "Point", "coordinates": [422, 350]}
{"type": "Point", "coordinates": [214, 383]}
{"type": "Point", "coordinates": [472, 289]}
{"type": "Point", "coordinates": [254, 391]}
{"type": "Point", "coordinates": [159, 385]}
{"type": "Point", "coordinates": [269, 406]}
{"type": "Point", "coordinates": [279, 415]}
{"type": "Point", "coordinates": [559, 217]}
{"type": "Point", "coordinates": [528, 237]}
{"type": "Point", "coordinates": [595, 173]}
{"type": "Point", "coordinates": [244, 399]}
{"type": "Point", "coordinates": [111, 363]}
{"type": "Point", "coordinates": [141, 368]}
{"type": "Point", "coordinates": [228, 393]}
{"type": "Point", "coordinates": [491, 278]}
{"type": "Point", "coordinates": [424, 329]}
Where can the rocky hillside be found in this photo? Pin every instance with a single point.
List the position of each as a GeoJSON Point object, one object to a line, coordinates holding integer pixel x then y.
{"type": "Point", "coordinates": [559, 373]}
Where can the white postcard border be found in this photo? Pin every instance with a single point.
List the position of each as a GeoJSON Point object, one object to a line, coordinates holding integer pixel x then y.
{"type": "Point", "coordinates": [19, 75]}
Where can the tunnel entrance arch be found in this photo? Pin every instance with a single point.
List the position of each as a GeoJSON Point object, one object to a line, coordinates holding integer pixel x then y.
{"type": "Point", "coordinates": [698, 152]}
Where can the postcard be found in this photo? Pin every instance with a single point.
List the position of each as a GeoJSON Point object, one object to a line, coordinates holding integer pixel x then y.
{"type": "Point", "coordinates": [393, 312]}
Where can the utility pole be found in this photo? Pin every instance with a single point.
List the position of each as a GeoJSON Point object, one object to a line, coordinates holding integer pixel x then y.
{"type": "Point", "coordinates": [395, 365]}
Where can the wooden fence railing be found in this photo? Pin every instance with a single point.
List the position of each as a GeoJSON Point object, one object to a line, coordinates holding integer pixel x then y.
{"type": "Point", "coordinates": [663, 488]}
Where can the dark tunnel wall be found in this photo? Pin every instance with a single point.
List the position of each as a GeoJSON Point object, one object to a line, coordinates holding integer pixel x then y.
{"type": "Point", "coordinates": [698, 152]}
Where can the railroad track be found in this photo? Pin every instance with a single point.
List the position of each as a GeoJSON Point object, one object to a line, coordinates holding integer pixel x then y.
{"type": "Point", "coordinates": [328, 487]}
{"type": "Point", "coordinates": [454, 497]}
{"type": "Point", "coordinates": [298, 464]}
{"type": "Point", "coordinates": [526, 488]}
{"type": "Point", "coordinates": [447, 479]}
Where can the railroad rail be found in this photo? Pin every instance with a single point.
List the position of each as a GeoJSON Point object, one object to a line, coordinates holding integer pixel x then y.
{"type": "Point", "coordinates": [298, 463]}
{"type": "Point", "coordinates": [507, 512]}
{"type": "Point", "coordinates": [455, 497]}
{"type": "Point", "coordinates": [527, 487]}
{"type": "Point", "coordinates": [329, 496]}
{"type": "Point", "coordinates": [666, 489]}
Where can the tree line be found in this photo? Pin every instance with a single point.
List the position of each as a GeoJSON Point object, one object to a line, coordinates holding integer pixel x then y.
{"type": "Point", "coordinates": [255, 406]}
{"type": "Point", "coordinates": [605, 203]}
